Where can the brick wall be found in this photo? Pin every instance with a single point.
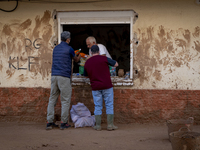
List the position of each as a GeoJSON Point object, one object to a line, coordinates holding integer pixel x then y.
{"type": "Point", "coordinates": [131, 105]}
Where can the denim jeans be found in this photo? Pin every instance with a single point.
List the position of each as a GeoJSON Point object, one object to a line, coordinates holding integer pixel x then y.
{"type": "Point", "coordinates": [59, 86]}
{"type": "Point", "coordinates": [98, 97]}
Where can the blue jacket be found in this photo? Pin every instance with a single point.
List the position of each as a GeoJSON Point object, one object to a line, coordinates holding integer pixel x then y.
{"type": "Point", "coordinates": [62, 60]}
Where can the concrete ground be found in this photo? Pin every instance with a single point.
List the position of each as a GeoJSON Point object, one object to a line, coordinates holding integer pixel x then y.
{"type": "Point", "coordinates": [33, 136]}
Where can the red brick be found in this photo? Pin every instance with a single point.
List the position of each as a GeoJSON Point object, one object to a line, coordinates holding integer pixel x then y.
{"type": "Point", "coordinates": [194, 104]}
{"type": "Point", "coordinates": [131, 105]}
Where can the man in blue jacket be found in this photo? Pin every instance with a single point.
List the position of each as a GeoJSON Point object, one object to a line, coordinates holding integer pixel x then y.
{"type": "Point", "coordinates": [60, 81]}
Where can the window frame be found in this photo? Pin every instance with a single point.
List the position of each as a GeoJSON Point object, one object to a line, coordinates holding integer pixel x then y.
{"type": "Point", "coordinates": [99, 17]}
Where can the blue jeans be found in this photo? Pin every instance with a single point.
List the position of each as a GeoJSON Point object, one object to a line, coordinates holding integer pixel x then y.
{"type": "Point", "coordinates": [98, 97]}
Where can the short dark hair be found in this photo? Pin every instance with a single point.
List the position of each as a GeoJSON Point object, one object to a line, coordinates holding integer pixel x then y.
{"type": "Point", "coordinates": [94, 49]}
{"type": "Point", "coordinates": [65, 35]}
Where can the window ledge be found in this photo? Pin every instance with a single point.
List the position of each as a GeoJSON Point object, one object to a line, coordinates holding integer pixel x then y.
{"type": "Point", "coordinates": [117, 81]}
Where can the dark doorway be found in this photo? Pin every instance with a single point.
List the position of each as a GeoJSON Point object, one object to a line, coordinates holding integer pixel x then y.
{"type": "Point", "coordinates": [116, 38]}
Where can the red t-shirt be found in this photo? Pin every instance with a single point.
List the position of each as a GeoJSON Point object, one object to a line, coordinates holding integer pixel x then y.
{"type": "Point", "coordinates": [97, 69]}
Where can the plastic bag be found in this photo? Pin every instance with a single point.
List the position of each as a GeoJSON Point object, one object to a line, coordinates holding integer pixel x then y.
{"type": "Point", "coordinates": [81, 110]}
{"type": "Point", "coordinates": [81, 116]}
{"type": "Point", "coordinates": [85, 122]}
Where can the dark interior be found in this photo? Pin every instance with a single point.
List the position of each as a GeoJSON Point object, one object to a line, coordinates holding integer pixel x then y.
{"type": "Point", "coordinates": [116, 38]}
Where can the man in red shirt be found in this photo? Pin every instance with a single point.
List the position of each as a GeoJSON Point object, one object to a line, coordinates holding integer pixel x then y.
{"type": "Point", "coordinates": [97, 69]}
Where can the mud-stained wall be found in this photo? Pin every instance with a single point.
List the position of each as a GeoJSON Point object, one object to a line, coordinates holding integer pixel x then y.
{"type": "Point", "coordinates": [168, 49]}
{"type": "Point", "coordinates": [168, 58]}
{"type": "Point", "coordinates": [25, 51]}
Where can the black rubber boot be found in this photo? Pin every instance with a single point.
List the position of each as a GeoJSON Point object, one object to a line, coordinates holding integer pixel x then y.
{"type": "Point", "coordinates": [110, 118]}
{"type": "Point", "coordinates": [98, 123]}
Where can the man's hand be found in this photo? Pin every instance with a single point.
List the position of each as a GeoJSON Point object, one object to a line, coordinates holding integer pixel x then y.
{"type": "Point", "coordinates": [88, 56]}
{"type": "Point", "coordinates": [77, 58]}
{"type": "Point", "coordinates": [116, 64]}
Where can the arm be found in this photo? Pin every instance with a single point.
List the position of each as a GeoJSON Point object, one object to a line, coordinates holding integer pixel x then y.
{"type": "Point", "coordinates": [116, 64]}
{"type": "Point", "coordinates": [77, 58]}
{"type": "Point", "coordinates": [102, 49]}
{"type": "Point", "coordinates": [74, 57]}
{"type": "Point", "coordinates": [85, 73]}
{"type": "Point", "coordinates": [112, 62]}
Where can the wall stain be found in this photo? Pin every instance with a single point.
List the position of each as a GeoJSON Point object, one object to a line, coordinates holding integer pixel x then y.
{"type": "Point", "coordinates": [13, 44]}
{"type": "Point", "coordinates": [45, 54]}
{"type": "Point", "coordinates": [12, 61]}
{"type": "Point", "coordinates": [180, 43]}
{"type": "Point", "coordinates": [157, 75]}
{"type": "Point", "coordinates": [196, 32]}
{"type": "Point", "coordinates": [143, 56]}
{"type": "Point", "coordinates": [197, 45]}
{"type": "Point", "coordinates": [22, 78]}
{"type": "Point", "coordinates": [26, 24]}
{"type": "Point", "coordinates": [1, 67]}
{"type": "Point", "coordinates": [164, 48]}
{"type": "Point", "coordinates": [10, 73]}
{"type": "Point", "coordinates": [3, 48]}
{"type": "Point", "coordinates": [187, 35]}
{"type": "Point", "coordinates": [176, 62]}
{"type": "Point", "coordinates": [161, 34]}
{"type": "Point", "coordinates": [7, 30]}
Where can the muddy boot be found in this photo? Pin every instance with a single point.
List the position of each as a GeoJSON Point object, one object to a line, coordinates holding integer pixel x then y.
{"type": "Point", "coordinates": [98, 123]}
{"type": "Point", "coordinates": [110, 118]}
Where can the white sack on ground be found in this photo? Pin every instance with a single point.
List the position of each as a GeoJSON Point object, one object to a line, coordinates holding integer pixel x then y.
{"type": "Point", "coordinates": [81, 116]}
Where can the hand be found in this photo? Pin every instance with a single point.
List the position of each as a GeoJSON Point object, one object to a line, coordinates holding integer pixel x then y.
{"type": "Point", "coordinates": [88, 57]}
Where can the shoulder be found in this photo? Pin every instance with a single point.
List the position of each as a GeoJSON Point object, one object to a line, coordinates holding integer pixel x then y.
{"type": "Point", "coordinates": [101, 46]}
{"type": "Point", "coordinates": [94, 58]}
{"type": "Point", "coordinates": [57, 46]}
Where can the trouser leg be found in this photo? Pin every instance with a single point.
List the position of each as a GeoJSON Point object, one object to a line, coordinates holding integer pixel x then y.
{"type": "Point", "coordinates": [108, 98]}
{"type": "Point", "coordinates": [98, 102]}
{"type": "Point", "coordinates": [98, 105]}
{"type": "Point", "coordinates": [65, 97]}
{"type": "Point", "coordinates": [52, 99]}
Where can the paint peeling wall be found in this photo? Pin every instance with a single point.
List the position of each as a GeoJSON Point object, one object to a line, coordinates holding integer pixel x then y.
{"type": "Point", "coordinates": [168, 49]}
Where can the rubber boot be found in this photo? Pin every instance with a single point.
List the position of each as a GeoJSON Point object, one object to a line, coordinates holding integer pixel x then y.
{"type": "Point", "coordinates": [110, 118]}
{"type": "Point", "coordinates": [98, 123]}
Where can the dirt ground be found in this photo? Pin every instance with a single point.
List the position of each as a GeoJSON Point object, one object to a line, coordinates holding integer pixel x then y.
{"type": "Point", "coordinates": [33, 136]}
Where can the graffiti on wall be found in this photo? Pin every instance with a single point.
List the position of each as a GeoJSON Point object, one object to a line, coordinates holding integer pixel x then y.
{"type": "Point", "coordinates": [17, 60]}
{"type": "Point", "coordinates": [24, 46]}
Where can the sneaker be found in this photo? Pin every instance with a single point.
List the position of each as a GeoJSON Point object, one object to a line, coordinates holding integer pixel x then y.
{"type": "Point", "coordinates": [64, 126]}
{"type": "Point", "coordinates": [51, 125]}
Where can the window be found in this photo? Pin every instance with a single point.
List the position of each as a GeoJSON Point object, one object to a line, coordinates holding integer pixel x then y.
{"type": "Point", "coordinates": [110, 28]}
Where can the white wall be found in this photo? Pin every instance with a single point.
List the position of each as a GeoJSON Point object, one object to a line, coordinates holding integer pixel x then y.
{"type": "Point", "coordinates": [167, 54]}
